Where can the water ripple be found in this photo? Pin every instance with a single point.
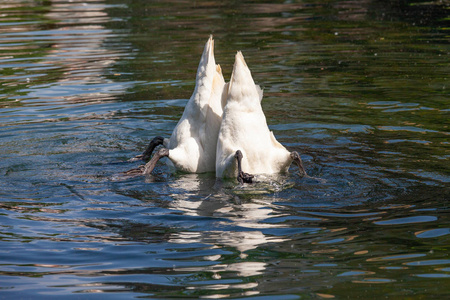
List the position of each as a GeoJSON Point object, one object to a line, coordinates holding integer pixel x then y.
{"type": "Point", "coordinates": [407, 220]}
{"type": "Point", "coordinates": [432, 233]}
{"type": "Point", "coordinates": [357, 88]}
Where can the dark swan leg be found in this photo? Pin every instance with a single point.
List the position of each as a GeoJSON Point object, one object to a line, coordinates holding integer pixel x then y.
{"type": "Point", "coordinates": [242, 177]}
{"type": "Point", "coordinates": [134, 172]}
{"type": "Point", "coordinates": [152, 163]}
{"type": "Point", "coordinates": [148, 152]}
{"type": "Point", "coordinates": [148, 168]}
{"type": "Point", "coordinates": [296, 158]}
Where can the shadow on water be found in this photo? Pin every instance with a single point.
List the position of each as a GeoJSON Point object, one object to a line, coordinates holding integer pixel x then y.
{"type": "Point", "coordinates": [359, 88]}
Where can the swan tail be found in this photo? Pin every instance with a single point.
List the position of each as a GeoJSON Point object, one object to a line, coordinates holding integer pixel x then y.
{"type": "Point", "coordinates": [207, 64]}
{"type": "Point", "coordinates": [241, 82]}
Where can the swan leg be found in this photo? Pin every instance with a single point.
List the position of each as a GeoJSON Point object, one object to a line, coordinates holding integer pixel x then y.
{"type": "Point", "coordinates": [242, 177]}
{"type": "Point", "coordinates": [152, 163]}
{"type": "Point", "coordinates": [148, 152]}
{"type": "Point", "coordinates": [134, 172]}
{"type": "Point", "coordinates": [151, 146]}
{"type": "Point", "coordinates": [296, 158]}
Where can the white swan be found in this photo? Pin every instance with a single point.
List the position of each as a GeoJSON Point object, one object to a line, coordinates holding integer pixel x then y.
{"type": "Point", "coordinates": [245, 141]}
{"type": "Point", "coordinates": [192, 146]}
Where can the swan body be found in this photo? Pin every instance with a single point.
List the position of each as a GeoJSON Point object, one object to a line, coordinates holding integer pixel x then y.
{"type": "Point", "coordinates": [192, 146]}
{"type": "Point", "coordinates": [245, 141]}
{"type": "Point", "coordinates": [223, 128]}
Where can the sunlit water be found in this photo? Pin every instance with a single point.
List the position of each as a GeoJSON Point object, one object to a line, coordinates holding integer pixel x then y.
{"type": "Point", "coordinates": [360, 89]}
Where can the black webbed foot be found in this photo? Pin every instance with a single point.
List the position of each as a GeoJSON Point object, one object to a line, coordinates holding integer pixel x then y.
{"type": "Point", "coordinates": [242, 176]}
{"type": "Point", "coordinates": [155, 142]}
{"type": "Point", "coordinates": [151, 146]}
{"type": "Point", "coordinates": [245, 177]}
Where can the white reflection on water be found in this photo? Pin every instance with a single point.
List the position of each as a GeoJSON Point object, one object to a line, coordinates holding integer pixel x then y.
{"type": "Point", "coordinates": [81, 52]}
{"type": "Point", "coordinates": [65, 230]}
{"type": "Point", "coordinates": [244, 219]}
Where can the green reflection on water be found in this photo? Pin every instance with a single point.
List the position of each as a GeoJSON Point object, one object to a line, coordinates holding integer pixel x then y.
{"type": "Point", "coordinates": [356, 85]}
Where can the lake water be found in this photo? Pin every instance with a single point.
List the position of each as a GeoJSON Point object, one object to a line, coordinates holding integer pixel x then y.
{"type": "Point", "coordinates": [359, 88]}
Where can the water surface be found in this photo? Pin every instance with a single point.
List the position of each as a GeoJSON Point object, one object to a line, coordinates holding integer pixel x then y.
{"type": "Point", "coordinates": [359, 88]}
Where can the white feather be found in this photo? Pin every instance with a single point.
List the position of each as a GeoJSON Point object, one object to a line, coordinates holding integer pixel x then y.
{"type": "Point", "coordinates": [244, 128]}
{"type": "Point", "coordinates": [192, 145]}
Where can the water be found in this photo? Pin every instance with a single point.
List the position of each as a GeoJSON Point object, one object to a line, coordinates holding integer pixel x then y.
{"type": "Point", "coordinates": [359, 88]}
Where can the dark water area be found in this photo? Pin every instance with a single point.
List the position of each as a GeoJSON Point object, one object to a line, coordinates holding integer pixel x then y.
{"type": "Point", "coordinates": [359, 88]}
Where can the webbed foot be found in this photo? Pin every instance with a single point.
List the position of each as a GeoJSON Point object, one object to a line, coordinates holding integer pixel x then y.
{"type": "Point", "coordinates": [242, 176]}
{"type": "Point", "coordinates": [245, 177]}
{"type": "Point", "coordinates": [155, 142]}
